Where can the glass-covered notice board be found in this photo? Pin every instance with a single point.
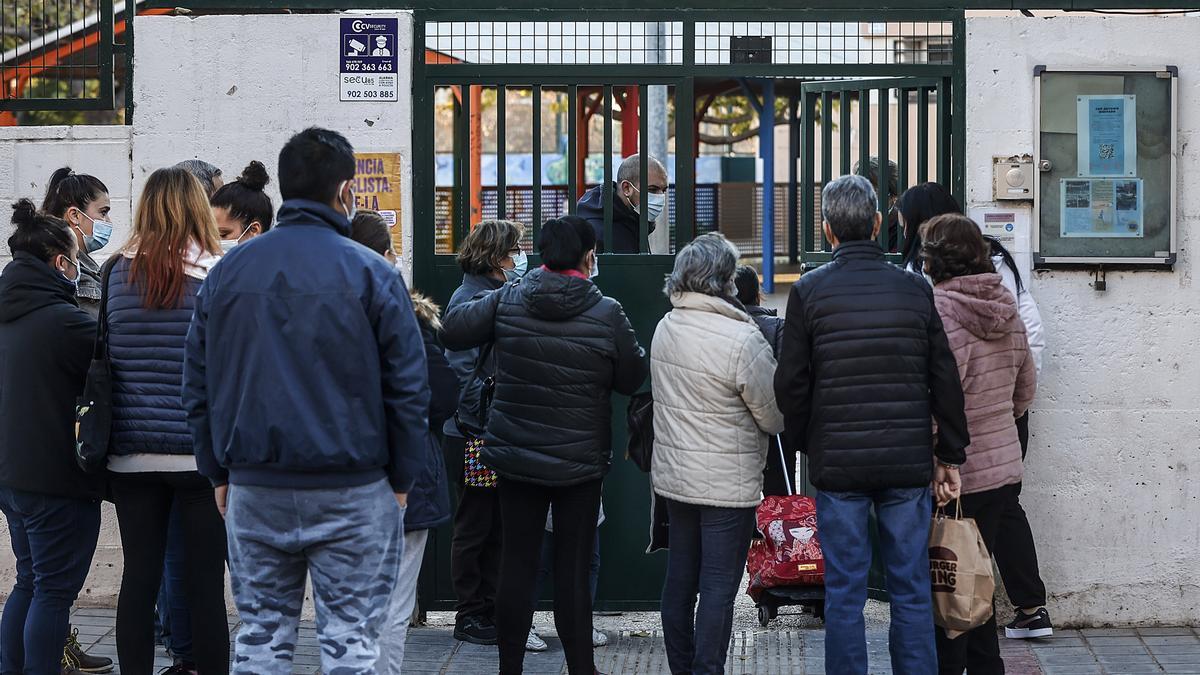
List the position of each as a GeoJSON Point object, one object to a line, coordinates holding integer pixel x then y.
{"type": "Point", "coordinates": [1105, 155]}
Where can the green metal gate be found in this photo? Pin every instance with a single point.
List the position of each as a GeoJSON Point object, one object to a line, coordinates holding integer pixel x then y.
{"type": "Point", "coordinates": [532, 53]}
{"type": "Point", "coordinates": [920, 103]}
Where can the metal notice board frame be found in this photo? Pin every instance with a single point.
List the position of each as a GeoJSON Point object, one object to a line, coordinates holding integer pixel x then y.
{"type": "Point", "coordinates": [1049, 248]}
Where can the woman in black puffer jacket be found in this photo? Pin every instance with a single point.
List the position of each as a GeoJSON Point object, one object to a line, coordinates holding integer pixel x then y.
{"type": "Point", "coordinates": [561, 349]}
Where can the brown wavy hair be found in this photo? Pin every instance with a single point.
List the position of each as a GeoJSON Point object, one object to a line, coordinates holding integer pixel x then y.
{"type": "Point", "coordinates": [173, 212]}
{"type": "Point", "coordinates": [488, 245]}
{"type": "Point", "coordinates": [953, 247]}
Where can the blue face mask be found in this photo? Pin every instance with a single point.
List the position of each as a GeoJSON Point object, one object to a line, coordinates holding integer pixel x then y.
{"type": "Point", "coordinates": [520, 267]}
{"type": "Point", "coordinates": [73, 281]}
{"type": "Point", "coordinates": [101, 233]}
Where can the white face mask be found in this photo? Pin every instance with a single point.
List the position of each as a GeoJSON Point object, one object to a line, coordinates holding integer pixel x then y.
{"type": "Point", "coordinates": [228, 244]}
{"type": "Point", "coordinates": [352, 209]}
{"type": "Point", "coordinates": [655, 203]}
{"type": "Point", "coordinates": [595, 267]}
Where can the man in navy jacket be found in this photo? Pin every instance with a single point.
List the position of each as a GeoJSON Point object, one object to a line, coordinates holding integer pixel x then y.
{"type": "Point", "coordinates": [307, 395]}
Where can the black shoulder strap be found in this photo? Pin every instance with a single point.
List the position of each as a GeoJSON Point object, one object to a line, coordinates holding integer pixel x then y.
{"type": "Point", "coordinates": [101, 349]}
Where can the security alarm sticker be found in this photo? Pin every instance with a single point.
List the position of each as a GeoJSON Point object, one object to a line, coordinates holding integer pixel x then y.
{"type": "Point", "coordinates": [369, 59]}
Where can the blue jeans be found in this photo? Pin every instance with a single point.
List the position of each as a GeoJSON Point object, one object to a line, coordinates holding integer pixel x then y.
{"type": "Point", "coordinates": [173, 624]}
{"type": "Point", "coordinates": [903, 515]}
{"type": "Point", "coordinates": [53, 539]}
{"type": "Point", "coordinates": [707, 557]}
{"type": "Point", "coordinates": [348, 540]}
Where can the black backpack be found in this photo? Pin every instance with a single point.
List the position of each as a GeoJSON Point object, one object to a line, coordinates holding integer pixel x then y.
{"type": "Point", "coordinates": [640, 418]}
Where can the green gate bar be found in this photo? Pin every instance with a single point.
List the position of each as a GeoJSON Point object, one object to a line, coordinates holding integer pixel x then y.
{"type": "Point", "coordinates": [501, 151]}
{"type": "Point", "coordinates": [881, 189]}
{"type": "Point", "coordinates": [537, 165]}
{"type": "Point", "coordinates": [607, 186]}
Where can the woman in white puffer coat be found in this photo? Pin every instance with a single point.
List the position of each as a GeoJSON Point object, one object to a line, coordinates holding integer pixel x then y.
{"type": "Point", "coordinates": [714, 407]}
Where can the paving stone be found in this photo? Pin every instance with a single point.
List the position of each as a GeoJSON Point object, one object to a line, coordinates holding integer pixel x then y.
{"type": "Point", "coordinates": [1166, 630]}
{"type": "Point", "coordinates": [1100, 640]}
{"type": "Point", "coordinates": [1190, 657]}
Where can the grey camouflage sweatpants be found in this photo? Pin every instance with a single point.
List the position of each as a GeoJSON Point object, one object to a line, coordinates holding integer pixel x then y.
{"type": "Point", "coordinates": [347, 539]}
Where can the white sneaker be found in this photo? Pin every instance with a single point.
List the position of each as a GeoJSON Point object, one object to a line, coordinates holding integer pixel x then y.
{"type": "Point", "coordinates": [535, 643]}
{"type": "Point", "coordinates": [599, 638]}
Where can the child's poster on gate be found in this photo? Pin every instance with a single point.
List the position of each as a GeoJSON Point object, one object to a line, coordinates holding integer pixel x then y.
{"type": "Point", "coordinates": [1107, 128]}
{"type": "Point", "coordinates": [1101, 207]}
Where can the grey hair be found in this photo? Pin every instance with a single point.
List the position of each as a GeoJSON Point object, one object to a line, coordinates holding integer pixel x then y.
{"type": "Point", "coordinates": [631, 168]}
{"type": "Point", "coordinates": [203, 171]}
{"type": "Point", "coordinates": [704, 266]}
{"type": "Point", "coordinates": [849, 205]}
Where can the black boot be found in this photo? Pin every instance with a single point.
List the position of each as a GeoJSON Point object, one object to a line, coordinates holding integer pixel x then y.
{"type": "Point", "coordinates": [74, 657]}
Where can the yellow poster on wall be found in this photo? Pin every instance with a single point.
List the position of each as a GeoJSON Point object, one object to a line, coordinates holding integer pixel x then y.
{"type": "Point", "coordinates": [377, 187]}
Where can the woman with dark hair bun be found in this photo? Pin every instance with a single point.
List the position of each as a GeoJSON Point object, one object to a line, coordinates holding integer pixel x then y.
{"type": "Point", "coordinates": [998, 377]}
{"type": "Point", "coordinates": [561, 349]}
{"type": "Point", "coordinates": [429, 499]}
{"type": "Point", "coordinates": [82, 202]}
{"type": "Point", "coordinates": [52, 507]}
{"type": "Point", "coordinates": [241, 208]}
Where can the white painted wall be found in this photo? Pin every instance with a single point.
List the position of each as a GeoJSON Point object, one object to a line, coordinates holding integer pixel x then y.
{"type": "Point", "coordinates": [222, 89]}
{"type": "Point", "coordinates": [1116, 426]}
{"type": "Point", "coordinates": [28, 155]}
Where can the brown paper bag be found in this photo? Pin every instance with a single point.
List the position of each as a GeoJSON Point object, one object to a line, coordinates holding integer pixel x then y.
{"type": "Point", "coordinates": [960, 568]}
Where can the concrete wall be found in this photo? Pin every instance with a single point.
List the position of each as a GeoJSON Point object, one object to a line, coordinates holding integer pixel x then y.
{"type": "Point", "coordinates": [222, 89]}
{"type": "Point", "coordinates": [1116, 427]}
{"type": "Point", "coordinates": [28, 155]}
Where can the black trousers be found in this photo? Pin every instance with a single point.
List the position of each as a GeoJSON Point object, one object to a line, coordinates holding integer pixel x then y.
{"type": "Point", "coordinates": [777, 468]}
{"type": "Point", "coordinates": [524, 507]}
{"type": "Point", "coordinates": [143, 511]}
{"type": "Point", "coordinates": [475, 545]}
{"type": "Point", "coordinates": [1015, 551]}
{"type": "Point", "coordinates": [978, 651]}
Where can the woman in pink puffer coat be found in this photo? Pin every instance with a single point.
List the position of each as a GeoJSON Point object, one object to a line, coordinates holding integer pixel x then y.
{"type": "Point", "coordinates": [999, 379]}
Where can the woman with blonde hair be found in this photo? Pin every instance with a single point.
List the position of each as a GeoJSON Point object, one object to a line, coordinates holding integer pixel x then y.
{"type": "Point", "coordinates": [151, 289]}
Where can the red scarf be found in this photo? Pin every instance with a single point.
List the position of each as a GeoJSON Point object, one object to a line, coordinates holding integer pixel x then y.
{"type": "Point", "coordinates": [571, 273]}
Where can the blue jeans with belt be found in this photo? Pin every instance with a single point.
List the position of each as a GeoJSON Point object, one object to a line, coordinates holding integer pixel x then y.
{"type": "Point", "coordinates": [53, 539]}
{"type": "Point", "coordinates": [904, 516]}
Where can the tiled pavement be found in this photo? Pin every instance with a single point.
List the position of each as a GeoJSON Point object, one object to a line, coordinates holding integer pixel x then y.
{"type": "Point", "coordinates": [791, 652]}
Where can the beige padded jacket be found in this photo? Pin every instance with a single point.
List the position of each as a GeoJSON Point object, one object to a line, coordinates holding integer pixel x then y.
{"type": "Point", "coordinates": [714, 403]}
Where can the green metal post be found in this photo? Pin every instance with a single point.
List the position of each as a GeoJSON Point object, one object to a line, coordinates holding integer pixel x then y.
{"type": "Point", "coordinates": [923, 135]}
{"type": "Point", "coordinates": [685, 161]}
{"type": "Point", "coordinates": [607, 186]}
{"type": "Point", "coordinates": [644, 157]}
{"type": "Point", "coordinates": [537, 165]}
{"type": "Point", "coordinates": [808, 178]}
{"type": "Point", "coordinates": [501, 156]}
{"type": "Point", "coordinates": [573, 148]}
{"type": "Point", "coordinates": [826, 148]}
{"type": "Point", "coordinates": [883, 153]}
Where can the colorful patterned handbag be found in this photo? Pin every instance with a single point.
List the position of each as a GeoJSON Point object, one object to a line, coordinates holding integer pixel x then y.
{"type": "Point", "coordinates": [475, 473]}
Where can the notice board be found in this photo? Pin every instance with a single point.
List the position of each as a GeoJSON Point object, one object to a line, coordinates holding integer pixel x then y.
{"type": "Point", "coordinates": [1105, 153]}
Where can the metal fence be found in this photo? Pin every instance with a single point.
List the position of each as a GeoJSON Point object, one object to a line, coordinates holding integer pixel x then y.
{"type": "Point", "coordinates": [734, 209]}
{"type": "Point", "coordinates": [59, 54]}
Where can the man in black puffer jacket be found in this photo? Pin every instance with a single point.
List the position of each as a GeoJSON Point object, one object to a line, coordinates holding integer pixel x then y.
{"type": "Point", "coordinates": [865, 366]}
{"type": "Point", "coordinates": [561, 349]}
